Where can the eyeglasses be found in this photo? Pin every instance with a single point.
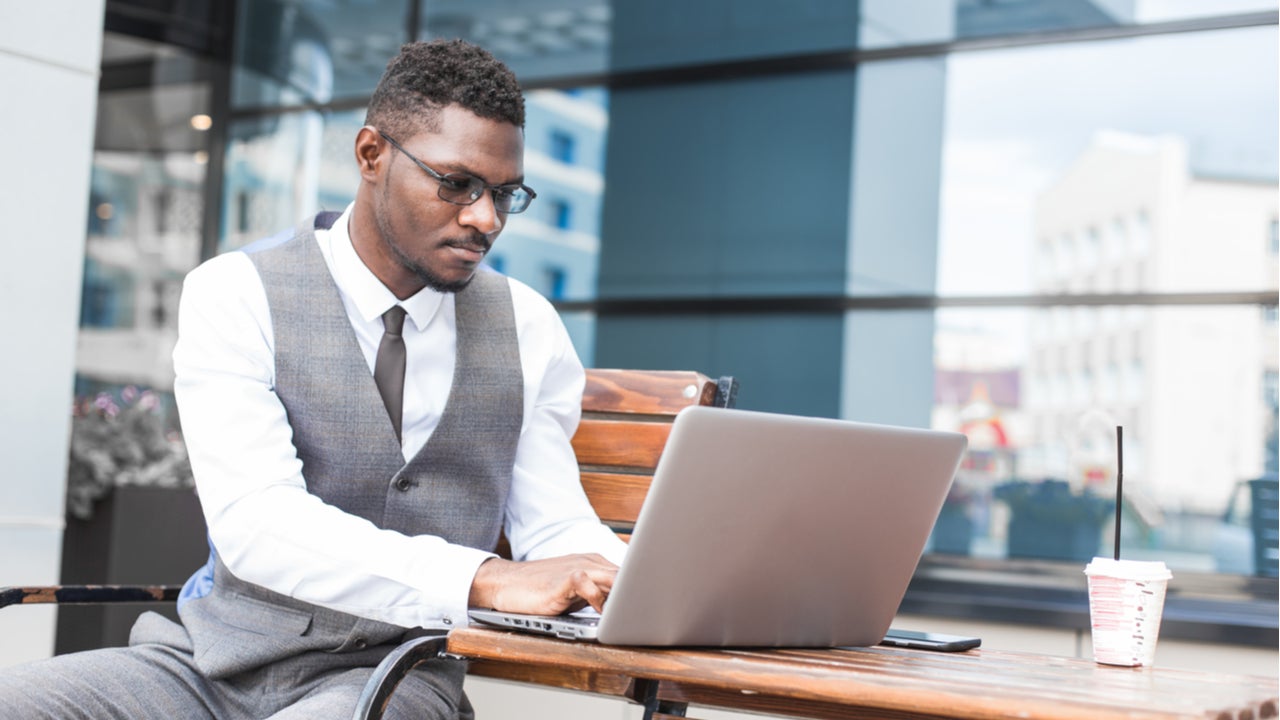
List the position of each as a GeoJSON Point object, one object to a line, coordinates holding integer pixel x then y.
{"type": "Point", "coordinates": [464, 189]}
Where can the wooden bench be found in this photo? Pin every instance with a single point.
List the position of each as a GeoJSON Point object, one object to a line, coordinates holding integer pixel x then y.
{"type": "Point", "coordinates": [626, 418]}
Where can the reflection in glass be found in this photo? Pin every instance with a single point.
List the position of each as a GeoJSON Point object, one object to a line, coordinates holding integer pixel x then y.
{"type": "Point", "coordinates": [562, 228]}
{"type": "Point", "coordinates": [282, 168]}
{"type": "Point", "coordinates": [143, 234]}
{"type": "Point", "coordinates": [1195, 393]}
{"type": "Point", "coordinates": [1166, 132]}
{"type": "Point", "coordinates": [889, 23]}
{"type": "Point", "coordinates": [537, 40]}
{"type": "Point", "coordinates": [144, 213]}
{"type": "Point", "coordinates": [1157, 175]}
{"type": "Point", "coordinates": [554, 246]}
{"type": "Point", "coordinates": [313, 51]}
{"type": "Point", "coordinates": [665, 33]}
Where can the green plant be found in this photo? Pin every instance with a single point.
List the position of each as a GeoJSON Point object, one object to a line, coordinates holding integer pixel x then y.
{"type": "Point", "coordinates": [1053, 501]}
{"type": "Point", "coordinates": [121, 440]}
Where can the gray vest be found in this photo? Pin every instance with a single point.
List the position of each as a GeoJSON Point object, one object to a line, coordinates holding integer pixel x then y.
{"type": "Point", "coordinates": [455, 487]}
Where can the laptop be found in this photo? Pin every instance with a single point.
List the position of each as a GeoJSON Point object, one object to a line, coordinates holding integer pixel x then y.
{"type": "Point", "coordinates": [770, 530]}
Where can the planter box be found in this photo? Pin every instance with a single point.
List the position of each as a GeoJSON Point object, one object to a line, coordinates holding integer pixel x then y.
{"type": "Point", "coordinates": [137, 536]}
{"type": "Point", "coordinates": [1047, 520]}
{"type": "Point", "coordinates": [1036, 538]}
{"type": "Point", "coordinates": [953, 532]}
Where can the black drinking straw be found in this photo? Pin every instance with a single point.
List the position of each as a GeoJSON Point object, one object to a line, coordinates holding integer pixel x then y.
{"type": "Point", "coordinates": [1119, 482]}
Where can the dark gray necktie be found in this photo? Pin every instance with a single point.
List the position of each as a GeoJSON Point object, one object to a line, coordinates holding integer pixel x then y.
{"type": "Point", "coordinates": [388, 368]}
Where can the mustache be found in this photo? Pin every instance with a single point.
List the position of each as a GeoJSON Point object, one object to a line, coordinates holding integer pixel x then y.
{"type": "Point", "coordinates": [477, 243]}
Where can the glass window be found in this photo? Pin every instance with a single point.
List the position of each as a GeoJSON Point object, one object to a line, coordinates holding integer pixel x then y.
{"type": "Point", "coordinates": [284, 167]}
{"type": "Point", "coordinates": [1128, 182]}
{"type": "Point", "coordinates": [888, 23]}
{"type": "Point", "coordinates": [555, 280]}
{"type": "Point", "coordinates": [562, 228]}
{"type": "Point", "coordinates": [144, 217]}
{"type": "Point", "coordinates": [1116, 245]}
{"type": "Point", "coordinates": [673, 32]}
{"type": "Point", "coordinates": [144, 214]}
{"type": "Point", "coordinates": [313, 51]}
{"type": "Point", "coordinates": [1057, 156]}
{"type": "Point", "coordinates": [562, 146]}
{"type": "Point", "coordinates": [1051, 462]}
{"type": "Point", "coordinates": [540, 40]}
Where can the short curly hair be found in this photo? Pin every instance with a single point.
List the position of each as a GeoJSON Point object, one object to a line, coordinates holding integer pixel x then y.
{"type": "Point", "coordinates": [427, 76]}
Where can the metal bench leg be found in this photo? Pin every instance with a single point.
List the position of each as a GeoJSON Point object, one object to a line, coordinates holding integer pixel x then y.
{"type": "Point", "coordinates": [645, 692]}
{"type": "Point", "coordinates": [393, 668]}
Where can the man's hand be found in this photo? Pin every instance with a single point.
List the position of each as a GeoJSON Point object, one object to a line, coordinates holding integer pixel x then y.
{"type": "Point", "coordinates": [543, 587]}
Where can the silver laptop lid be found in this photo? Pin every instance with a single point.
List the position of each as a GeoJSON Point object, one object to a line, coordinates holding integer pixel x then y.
{"type": "Point", "coordinates": [775, 530]}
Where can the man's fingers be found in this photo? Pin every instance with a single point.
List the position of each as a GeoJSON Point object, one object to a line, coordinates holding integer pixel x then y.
{"type": "Point", "coordinates": [586, 588]}
{"type": "Point", "coordinates": [545, 587]}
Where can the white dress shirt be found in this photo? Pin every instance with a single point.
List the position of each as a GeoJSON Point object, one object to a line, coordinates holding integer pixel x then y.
{"type": "Point", "coordinates": [269, 530]}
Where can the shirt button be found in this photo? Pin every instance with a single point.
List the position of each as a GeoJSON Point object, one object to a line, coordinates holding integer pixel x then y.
{"type": "Point", "coordinates": [403, 484]}
{"type": "Point", "coordinates": [448, 621]}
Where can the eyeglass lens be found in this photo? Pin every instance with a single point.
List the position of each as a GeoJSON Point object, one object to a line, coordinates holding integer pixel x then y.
{"type": "Point", "coordinates": [465, 189]}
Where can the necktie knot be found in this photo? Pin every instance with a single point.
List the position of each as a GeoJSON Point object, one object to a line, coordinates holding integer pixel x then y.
{"type": "Point", "coordinates": [393, 321]}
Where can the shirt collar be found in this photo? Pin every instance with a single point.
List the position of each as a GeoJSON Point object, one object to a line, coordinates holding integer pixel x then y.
{"type": "Point", "coordinates": [370, 297]}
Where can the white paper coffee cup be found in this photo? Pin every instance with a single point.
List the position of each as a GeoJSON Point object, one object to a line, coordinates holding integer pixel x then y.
{"type": "Point", "coordinates": [1126, 603]}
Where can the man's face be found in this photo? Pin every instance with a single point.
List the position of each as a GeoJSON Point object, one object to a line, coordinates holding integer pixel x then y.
{"type": "Point", "coordinates": [437, 243]}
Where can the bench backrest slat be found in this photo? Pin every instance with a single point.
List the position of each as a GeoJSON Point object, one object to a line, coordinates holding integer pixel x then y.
{"type": "Point", "coordinates": [626, 419]}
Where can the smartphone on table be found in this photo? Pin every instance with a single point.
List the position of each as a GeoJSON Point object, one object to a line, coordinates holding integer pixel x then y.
{"type": "Point", "coordinates": [929, 641]}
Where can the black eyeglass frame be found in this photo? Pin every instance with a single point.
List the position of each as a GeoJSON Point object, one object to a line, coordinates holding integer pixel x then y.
{"type": "Point", "coordinates": [473, 188]}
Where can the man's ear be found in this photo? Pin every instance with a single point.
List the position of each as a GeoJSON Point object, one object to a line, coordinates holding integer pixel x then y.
{"type": "Point", "coordinates": [369, 153]}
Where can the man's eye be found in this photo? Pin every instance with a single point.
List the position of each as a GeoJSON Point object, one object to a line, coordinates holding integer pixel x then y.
{"type": "Point", "coordinates": [455, 183]}
{"type": "Point", "coordinates": [503, 193]}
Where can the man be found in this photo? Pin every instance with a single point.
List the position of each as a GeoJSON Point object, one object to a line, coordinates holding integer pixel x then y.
{"type": "Point", "coordinates": [344, 511]}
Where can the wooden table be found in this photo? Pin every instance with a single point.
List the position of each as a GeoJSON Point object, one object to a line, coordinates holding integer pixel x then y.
{"type": "Point", "coordinates": [877, 682]}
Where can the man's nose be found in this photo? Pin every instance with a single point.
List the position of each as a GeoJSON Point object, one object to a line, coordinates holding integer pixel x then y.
{"type": "Point", "coordinates": [482, 215]}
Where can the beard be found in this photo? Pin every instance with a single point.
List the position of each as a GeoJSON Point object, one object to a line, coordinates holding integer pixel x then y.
{"type": "Point", "coordinates": [428, 277]}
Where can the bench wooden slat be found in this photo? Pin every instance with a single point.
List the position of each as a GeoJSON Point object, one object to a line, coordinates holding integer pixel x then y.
{"type": "Point", "coordinates": [646, 392]}
{"type": "Point", "coordinates": [617, 498]}
{"type": "Point", "coordinates": [552, 677]}
{"type": "Point", "coordinates": [620, 443]}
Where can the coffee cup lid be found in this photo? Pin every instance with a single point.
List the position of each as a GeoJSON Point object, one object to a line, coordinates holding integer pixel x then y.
{"type": "Point", "coordinates": [1128, 569]}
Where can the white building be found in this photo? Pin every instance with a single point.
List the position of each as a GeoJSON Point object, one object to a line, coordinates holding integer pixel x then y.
{"type": "Point", "coordinates": [1130, 216]}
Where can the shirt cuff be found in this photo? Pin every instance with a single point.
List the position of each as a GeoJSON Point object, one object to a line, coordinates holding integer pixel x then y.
{"type": "Point", "coordinates": [450, 582]}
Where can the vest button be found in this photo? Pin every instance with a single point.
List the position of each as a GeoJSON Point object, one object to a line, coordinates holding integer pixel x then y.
{"type": "Point", "coordinates": [360, 643]}
{"type": "Point", "coordinates": [403, 484]}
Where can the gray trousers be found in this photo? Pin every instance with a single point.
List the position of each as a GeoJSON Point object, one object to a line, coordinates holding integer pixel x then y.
{"type": "Point", "coordinates": [155, 677]}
